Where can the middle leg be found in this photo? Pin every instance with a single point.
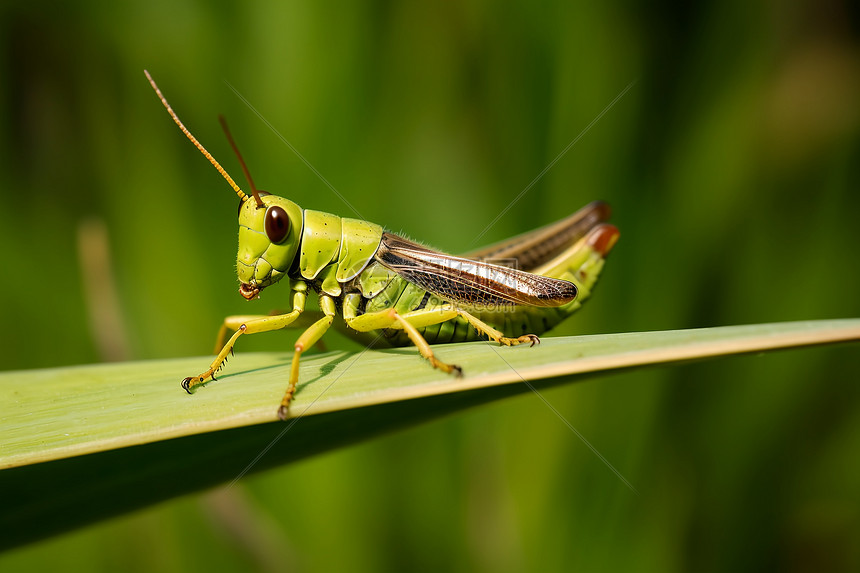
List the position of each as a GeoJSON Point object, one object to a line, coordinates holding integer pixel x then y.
{"type": "Point", "coordinates": [409, 322]}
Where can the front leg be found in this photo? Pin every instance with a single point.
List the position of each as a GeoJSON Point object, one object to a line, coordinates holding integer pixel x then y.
{"type": "Point", "coordinates": [308, 338]}
{"type": "Point", "coordinates": [261, 324]}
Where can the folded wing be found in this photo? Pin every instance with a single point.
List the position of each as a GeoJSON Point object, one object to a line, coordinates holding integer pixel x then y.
{"type": "Point", "coordinates": [468, 282]}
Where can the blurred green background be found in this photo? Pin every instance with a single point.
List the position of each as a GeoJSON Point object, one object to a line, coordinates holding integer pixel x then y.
{"type": "Point", "coordinates": [733, 166]}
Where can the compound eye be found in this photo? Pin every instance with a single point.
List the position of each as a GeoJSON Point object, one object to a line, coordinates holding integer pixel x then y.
{"type": "Point", "coordinates": [277, 224]}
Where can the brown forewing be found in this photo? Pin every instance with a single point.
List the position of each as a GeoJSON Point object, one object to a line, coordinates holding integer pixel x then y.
{"type": "Point", "coordinates": [469, 282]}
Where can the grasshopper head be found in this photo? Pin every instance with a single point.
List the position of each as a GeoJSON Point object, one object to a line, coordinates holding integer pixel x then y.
{"type": "Point", "coordinates": [268, 240]}
{"type": "Point", "coordinates": [269, 226]}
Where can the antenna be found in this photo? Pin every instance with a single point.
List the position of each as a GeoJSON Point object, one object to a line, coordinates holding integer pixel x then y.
{"type": "Point", "coordinates": [221, 170]}
{"type": "Point", "coordinates": [247, 173]}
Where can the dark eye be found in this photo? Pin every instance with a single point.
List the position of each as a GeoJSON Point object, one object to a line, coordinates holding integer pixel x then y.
{"type": "Point", "coordinates": [277, 224]}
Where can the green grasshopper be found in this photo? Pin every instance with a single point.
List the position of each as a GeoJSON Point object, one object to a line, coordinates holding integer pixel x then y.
{"type": "Point", "coordinates": [380, 282]}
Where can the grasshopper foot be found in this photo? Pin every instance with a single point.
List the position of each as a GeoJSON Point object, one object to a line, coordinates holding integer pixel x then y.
{"type": "Point", "coordinates": [186, 384]}
{"type": "Point", "coordinates": [445, 367]}
{"type": "Point", "coordinates": [284, 410]}
{"type": "Point", "coordinates": [503, 341]}
{"type": "Point", "coordinates": [191, 383]}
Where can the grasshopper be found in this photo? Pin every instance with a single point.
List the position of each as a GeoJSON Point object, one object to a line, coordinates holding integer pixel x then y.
{"type": "Point", "coordinates": [377, 281]}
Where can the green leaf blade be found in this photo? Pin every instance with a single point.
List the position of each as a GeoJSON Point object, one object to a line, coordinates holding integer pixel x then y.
{"type": "Point", "coordinates": [87, 442]}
